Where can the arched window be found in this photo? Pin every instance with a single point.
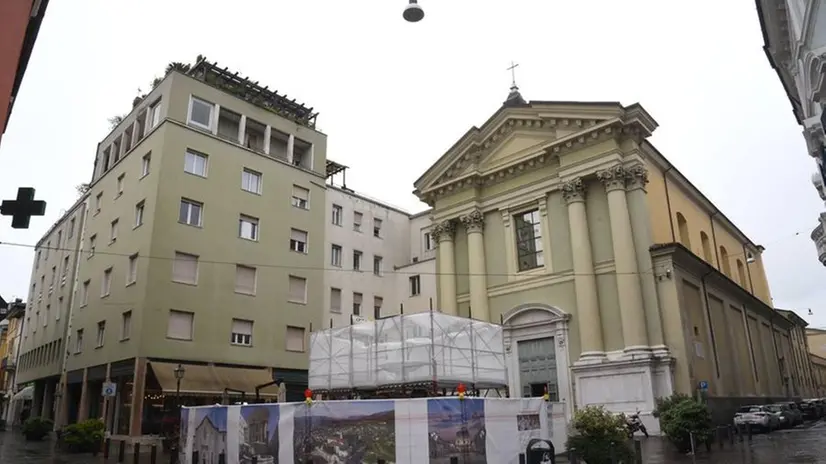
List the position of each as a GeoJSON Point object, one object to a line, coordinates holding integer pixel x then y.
{"type": "Point", "coordinates": [726, 266]}
{"type": "Point", "coordinates": [706, 247]}
{"type": "Point", "coordinates": [741, 273]}
{"type": "Point", "coordinates": [682, 226]}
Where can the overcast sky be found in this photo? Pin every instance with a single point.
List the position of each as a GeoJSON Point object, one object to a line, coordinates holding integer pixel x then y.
{"type": "Point", "coordinates": [394, 96]}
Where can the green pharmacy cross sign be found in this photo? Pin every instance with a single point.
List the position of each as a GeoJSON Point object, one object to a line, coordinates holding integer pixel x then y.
{"type": "Point", "coordinates": [23, 208]}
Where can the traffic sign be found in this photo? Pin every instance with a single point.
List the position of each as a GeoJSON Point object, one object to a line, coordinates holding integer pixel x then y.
{"type": "Point", "coordinates": [703, 385]}
{"type": "Point", "coordinates": [109, 389]}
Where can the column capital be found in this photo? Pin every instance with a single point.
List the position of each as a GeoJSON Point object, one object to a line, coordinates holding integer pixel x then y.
{"type": "Point", "coordinates": [614, 178]}
{"type": "Point", "coordinates": [637, 177]}
{"type": "Point", "coordinates": [474, 221]}
{"type": "Point", "coordinates": [444, 230]}
{"type": "Point", "coordinates": [574, 190]}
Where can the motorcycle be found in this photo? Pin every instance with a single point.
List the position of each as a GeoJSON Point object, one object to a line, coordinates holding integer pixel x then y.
{"type": "Point", "coordinates": [635, 425]}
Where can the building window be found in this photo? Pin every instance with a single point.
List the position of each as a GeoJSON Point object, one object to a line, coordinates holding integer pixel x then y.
{"type": "Point", "coordinates": [139, 214]}
{"type": "Point", "coordinates": [180, 325]}
{"type": "Point", "coordinates": [377, 303]}
{"type": "Point", "coordinates": [248, 227]}
{"type": "Point", "coordinates": [190, 212]}
{"type": "Point", "coordinates": [126, 325]}
{"type": "Point", "coordinates": [101, 336]}
{"type": "Point", "coordinates": [185, 268]}
{"type": "Point", "coordinates": [356, 260]}
{"type": "Point", "coordinates": [298, 289]}
{"type": "Point", "coordinates": [295, 339]}
{"type": "Point", "coordinates": [46, 315]}
{"type": "Point", "coordinates": [415, 285]}
{"type": "Point", "coordinates": [376, 227]}
{"type": "Point", "coordinates": [335, 300]}
{"type": "Point", "coordinates": [120, 185]}
{"type": "Point", "coordinates": [65, 271]}
{"type": "Point", "coordinates": [245, 279]}
{"type": "Point", "coordinates": [106, 284]}
{"type": "Point", "coordinates": [154, 114]}
{"type": "Point", "coordinates": [79, 341]}
{"type": "Point", "coordinates": [113, 231]}
{"type": "Point", "coordinates": [357, 218]}
{"type": "Point", "coordinates": [92, 244]}
{"type": "Point", "coordinates": [357, 297]}
{"type": "Point", "coordinates": [428, 241]}
{"type": "Point", "coordinates": [338, 212]}
{"type": "Point", "coordinates": [146, 162]}
{"type": "Point", "coordinates": [200, 113]}
{"type": "Point", "coordinates": [251, 181]}
{"type": "Point", "coordinates": [725, 261]}
{"type": "Point", "coordinates": [377, 265]}
{"type": "Point", "coordinates": [71, 231]}
{"type": "Point", "coordinates": [195, 163]}
{"type": "Point", "coordinates": [84, 293]}
{"type": "Point", "coordinates": [132, 270]}
{"type": "Point", "coordinates": [529, 240]}
{"type": "Point", "coordinates": [335, 256]}
{"type": "Point", "coordinates": [301, 197]}
{"type": "Point", "coordinates": [298, 240]}
{"type": "Point", "coordinates": [59, 308]}
{"type": "Point", "coordinates": [98, 201]}
{"type": "Point", "coordinates": [241, 332]}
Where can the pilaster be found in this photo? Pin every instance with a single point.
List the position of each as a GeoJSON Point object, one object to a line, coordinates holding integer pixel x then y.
{"type": "Point", "coordinates": [83, 408]}
{"type": "Point", "coordinates": [216, 114]}
{"type": "Point", "coordinates": [474, 223]}
{"type": "Point", "coordinates": [242, 130]}
{"type": "Point", "coordinates": [267, 138]}
{"type": "Point", "coordinates": [585, 283]}
{"type": "Point", "coordinates": [290, 148]}
{"type": "Point", "coordinates": [637, 178]}
{"type": "Point", "coordinates": [632, 312]}
{"type": "Point", "coordinates": [138, 386]}
{"type": "Point", "coordinates": [444, 233]}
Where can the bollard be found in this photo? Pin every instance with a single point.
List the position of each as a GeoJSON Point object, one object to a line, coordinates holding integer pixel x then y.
{"type": "Point", "coordinates": [255, 459]}
{"type": "Point", "coordinates": [136, 452]}
{"type": "Point", "coordinates": [522, 458]}
{"type": "Point", "coordinates": [637, 452]}
{"type": "Point", "coordinates": [572, 457]}
{"type": "Point", "coordinates": [153, 454]}
{"type": "Point", "coordinates": [720, 436]}
{"type": "Point", "coordinates": [381, 461]}
{"type": "Point", "coordinates": [222, 458]}
{"type": "Point", "coordinates": [121, 451]}
{"type": "Point", "coordinates": [195, 458]}
{"type": "Point", "coordinates": [106, 444]}
{"type": "Point", "coordinates": [740, 432]}
{"type": "Point", "coordinates": [730, 432]}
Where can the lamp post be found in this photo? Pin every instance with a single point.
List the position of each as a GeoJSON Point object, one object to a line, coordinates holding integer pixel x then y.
{"type": "Point", "coordinates": [179, 375]}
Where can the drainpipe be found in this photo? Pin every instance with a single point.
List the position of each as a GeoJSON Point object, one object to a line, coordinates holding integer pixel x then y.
{"type": "Point", "coordinates": [714, 239]}
{"type": "Point", "coordinates": [710, 323]}
{"type": "Point", "coordinates": [668, 203]}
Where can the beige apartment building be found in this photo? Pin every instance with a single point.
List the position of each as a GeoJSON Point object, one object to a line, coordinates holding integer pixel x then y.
{"type": "Point", "coordinates": [43, 343]}
{"type": "Point", "coordinates": [617, 280]}
{"type": "Point", "coordinates": [202, 245]}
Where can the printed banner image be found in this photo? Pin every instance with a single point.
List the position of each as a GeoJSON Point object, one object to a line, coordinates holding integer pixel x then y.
{"type": "Point", "coordinates": [345, 432]}
{"type": "Point", "coordinates": [258, 434]}
{"type": "Point", "coordinates": [456, 428]}
{"type": "Point", "coordinates": [210, 438]}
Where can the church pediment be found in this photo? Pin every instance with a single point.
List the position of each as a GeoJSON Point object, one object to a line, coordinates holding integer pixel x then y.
{"type": "Point", "coordinates": [527, 135]}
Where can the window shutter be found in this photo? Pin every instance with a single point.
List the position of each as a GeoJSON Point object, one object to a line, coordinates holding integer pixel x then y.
{"type": "Point", "coordinates": [301, 193]}
{"type": "Point", "coordinates": [298, 235]}
{"type": "Point", "coordinates": [357, 298]}
{"type": "Point", "coordinates": [242, 327]}
{"type": "Point", "coordinates": [245, 279]}
{"type": "Point", "coordinates": [180, 325]}
{"type": "Point", "coordinates": [185, 268]}
{"type": "Point", "coordinates": [295, 338]}
{"type": "Point", "coordinates": [335, 300]}
{"type": "Point", "coordinates": [298, 287]}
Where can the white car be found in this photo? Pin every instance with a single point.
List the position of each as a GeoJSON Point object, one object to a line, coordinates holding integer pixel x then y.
{"type": "Point", "coordinates": [756, 416]}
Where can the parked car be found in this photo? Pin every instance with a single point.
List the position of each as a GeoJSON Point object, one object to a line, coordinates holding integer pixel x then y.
{"type": "Point", "coordinates": [794, 411]}
{"type": "Point", "coordinates": [785, 417]}
{"type": "Point", "coordinates": [820, 405]}
{"type": "Point", "coordinates": [810, 410]}
{"type": "Point", "coordinates": [756, 416]}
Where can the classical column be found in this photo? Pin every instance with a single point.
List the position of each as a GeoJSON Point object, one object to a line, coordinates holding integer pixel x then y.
{"type": "Point", "coordinates": [631, 307]}
{"type": "Point", "coordinates": [474, 223]}
{"type": "Point", "coordinates": [444, 232]}
{"type": "Point", "coordinates": [585, 281]}
{"type": "Point", "coordinates": [641, 225]}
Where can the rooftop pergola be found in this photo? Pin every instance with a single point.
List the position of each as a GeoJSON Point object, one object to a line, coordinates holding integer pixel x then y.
{"type": "Point", "coordinates": [244, 88]}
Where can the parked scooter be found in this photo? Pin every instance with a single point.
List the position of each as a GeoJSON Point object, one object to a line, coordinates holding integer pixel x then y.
{"type": "Point", "coordinates": [635, 425]}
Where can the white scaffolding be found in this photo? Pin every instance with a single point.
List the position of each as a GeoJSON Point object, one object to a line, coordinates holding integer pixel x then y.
{"type": "Point", "coordinates": [417, 348]}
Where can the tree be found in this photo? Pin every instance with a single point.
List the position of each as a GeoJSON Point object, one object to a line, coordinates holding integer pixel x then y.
{"type": "Point", "coordinates": [82, 188]}
{"type": "Point", "coordinates": [114, 121]}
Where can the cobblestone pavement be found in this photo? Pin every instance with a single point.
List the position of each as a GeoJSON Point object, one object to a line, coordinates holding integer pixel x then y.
{"type": "Point", "coordinates": [14, 449]}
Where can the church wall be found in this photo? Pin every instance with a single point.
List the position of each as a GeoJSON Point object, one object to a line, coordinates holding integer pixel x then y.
{"type": "Point", "coordinates": [562, 258]}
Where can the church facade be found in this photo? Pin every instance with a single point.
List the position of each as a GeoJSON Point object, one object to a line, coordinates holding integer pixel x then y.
{"type": "Point", "coordinates": [617, 281]}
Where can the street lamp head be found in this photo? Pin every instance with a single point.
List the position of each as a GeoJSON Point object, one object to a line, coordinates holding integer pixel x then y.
{"type": "Point", "coordinates": [413, 13]}
{"type": "Point", "coordinates": [179, 372]}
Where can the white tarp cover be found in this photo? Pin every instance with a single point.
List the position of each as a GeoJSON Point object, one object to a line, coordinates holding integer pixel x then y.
{"type": "Point", "coordinates": [402, 431]}
{"type": "Point", "coordinates": [422, 347]}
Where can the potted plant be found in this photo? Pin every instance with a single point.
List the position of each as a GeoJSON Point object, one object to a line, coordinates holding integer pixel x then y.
{"type": "Point", "coordinates": [84, 437]}
{"type": "Point", "coordinates": [36, 428]}
{"type": "Point", "coordinates": [599, 436]}
{"type": "Point", "coordinates": [683, 419]}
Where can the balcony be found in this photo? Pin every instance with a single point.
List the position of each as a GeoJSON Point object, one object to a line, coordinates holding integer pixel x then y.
{"type": "Point", "coordinates": [8, 364]}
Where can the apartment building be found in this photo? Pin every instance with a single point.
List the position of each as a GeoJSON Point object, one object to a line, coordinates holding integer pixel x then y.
{"type": "Point", "coordinates": [380, 259]}
{"type": "Point", "coordinates": [195, 255]}
{"type": "Point", "coordinates": [11, 332]}
{"type": "Point", "coordinates": [42, 346]}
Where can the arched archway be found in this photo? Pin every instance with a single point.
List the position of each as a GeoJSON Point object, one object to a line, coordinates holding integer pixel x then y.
{"type": "Point", "coordinates": [536, 352]}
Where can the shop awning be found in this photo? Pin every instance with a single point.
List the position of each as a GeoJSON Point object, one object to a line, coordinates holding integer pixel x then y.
{"type": "Point", "coordinates": [24, 394]}
{"type": "Point", "coordinates": [212, 380]}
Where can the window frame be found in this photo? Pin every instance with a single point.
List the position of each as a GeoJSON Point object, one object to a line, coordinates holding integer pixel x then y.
{"type": "Point", "coordinates": [190, 203]}
{"type": "Point", "coordinates": [233, 333]}
{"type": "Point", "coordinates": [415, 285]}
{"type": "Point", "coordinates": [298, 202]}
{"type": "Point", "coordinates": [252, 173]}
{"type": "Point", "coordinates": [294, 244]}
{"type": "Point", "coordinates": [337, 215]}
{"type": "Point", "coordinates": [196, 155]}
{"type": "Point", "coordinates": [289, 290]}
{"type": "Point", "coordinates": [191, 316]}
{"type": "Point", "coordinates": [194, 123]}
{"type": "Point", "coordinates": [255, 224]}
{"type": "Point", "coordinates": [333, 249]}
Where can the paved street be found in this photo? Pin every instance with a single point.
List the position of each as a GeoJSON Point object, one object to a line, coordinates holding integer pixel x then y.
{"type": "Point", "coordinates": [14, 449]}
